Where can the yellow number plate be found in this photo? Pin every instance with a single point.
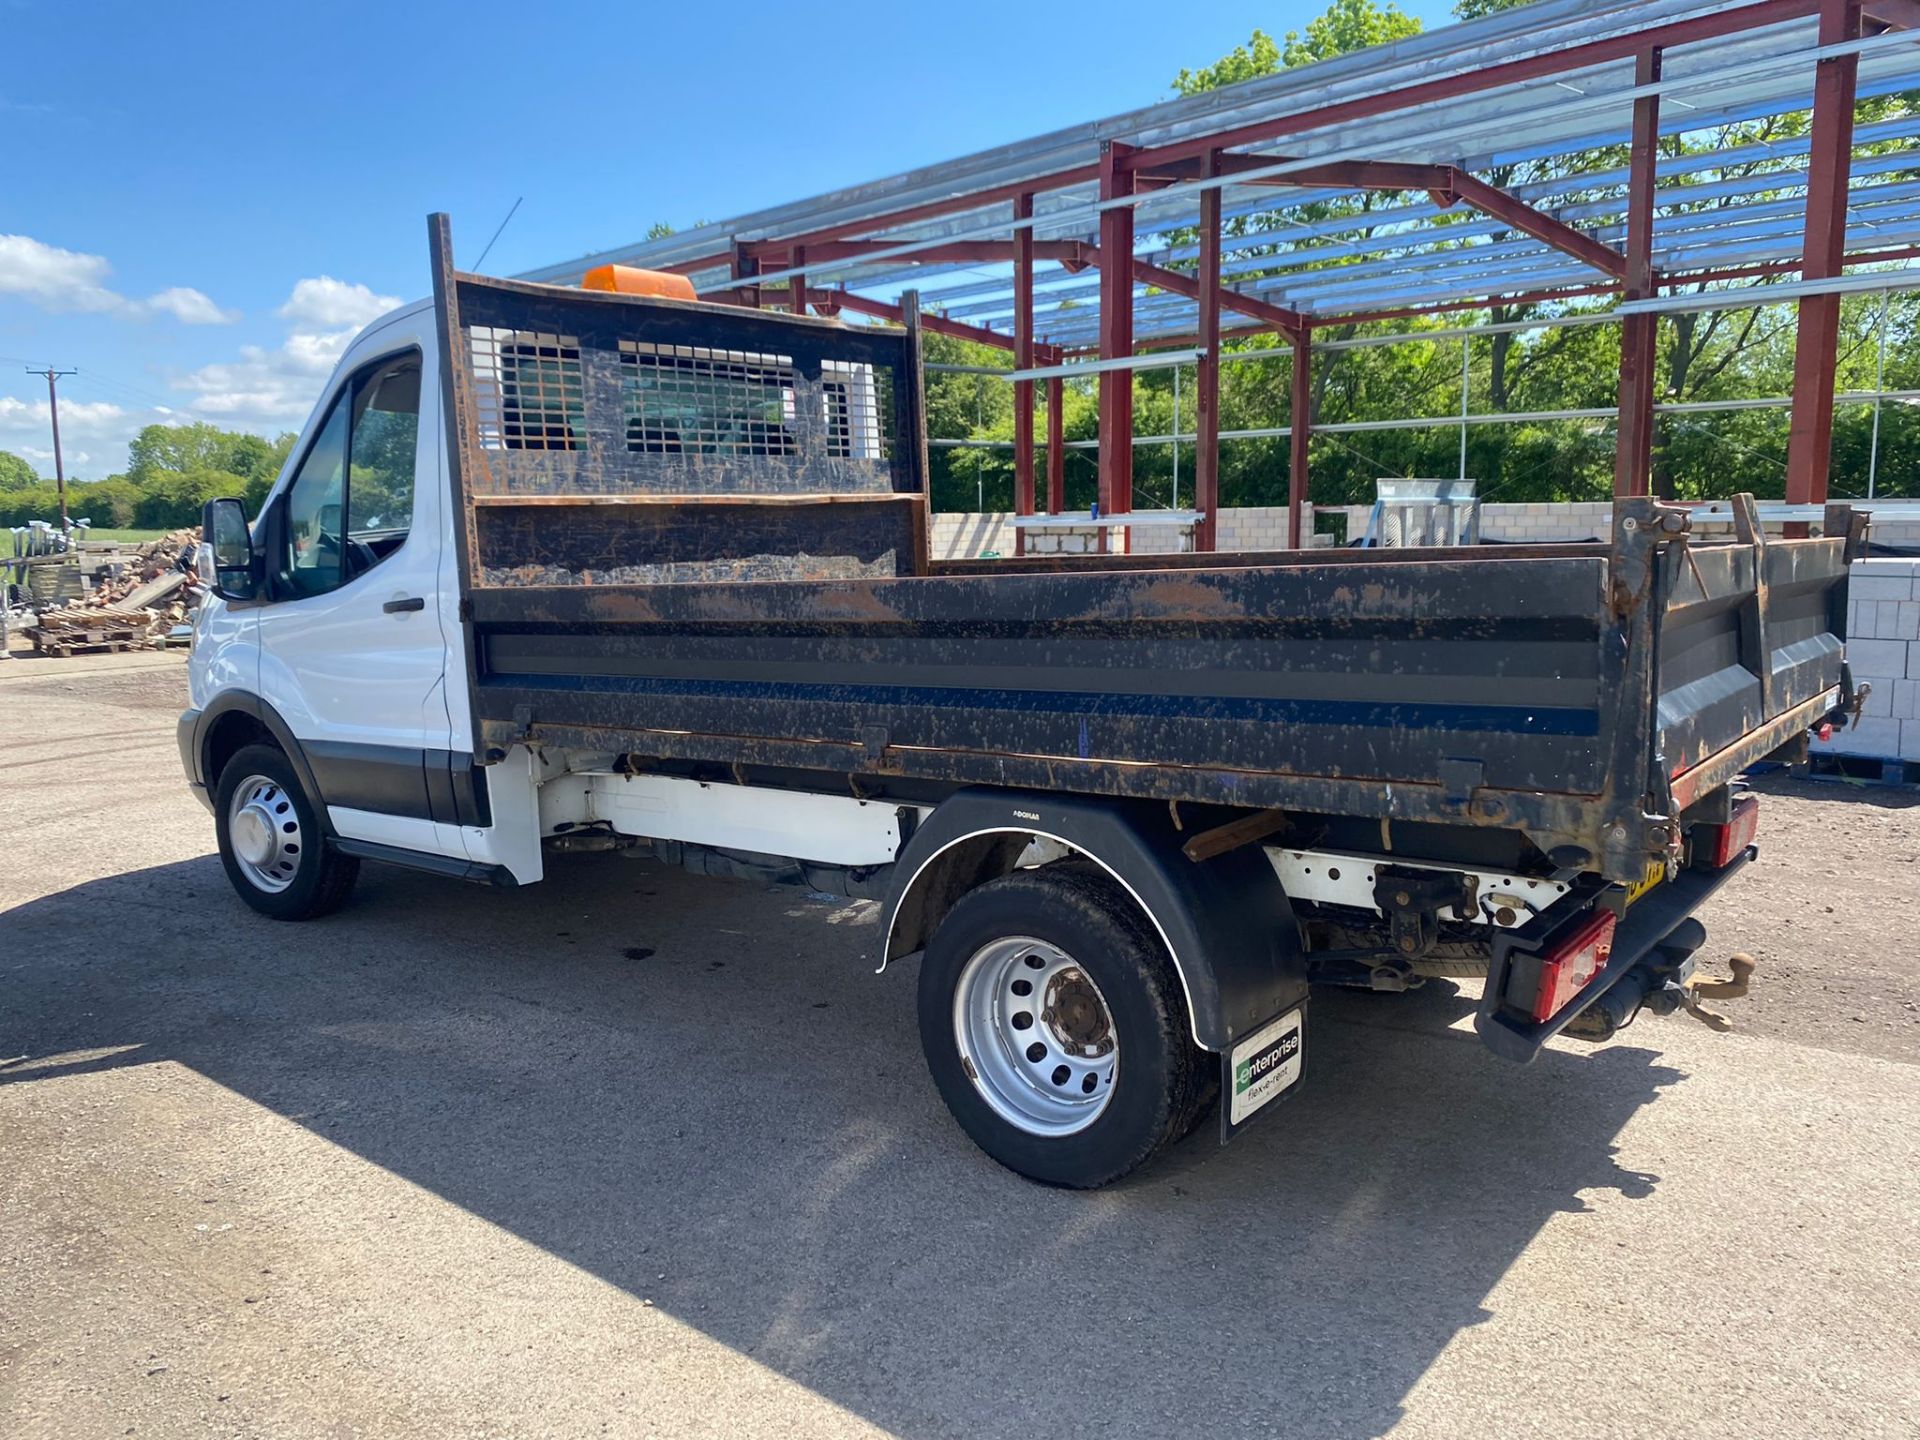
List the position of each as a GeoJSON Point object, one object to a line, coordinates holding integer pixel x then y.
{"type": "Point", "coordinates": [1656, 872]}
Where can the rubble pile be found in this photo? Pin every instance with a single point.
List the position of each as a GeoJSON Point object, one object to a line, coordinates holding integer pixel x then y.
{"type": "Point", "coordinates": [136, 604]}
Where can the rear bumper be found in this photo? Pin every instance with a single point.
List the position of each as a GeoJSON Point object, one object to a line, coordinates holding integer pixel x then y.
{"type": "Point", "coordinates": [1642, 930]}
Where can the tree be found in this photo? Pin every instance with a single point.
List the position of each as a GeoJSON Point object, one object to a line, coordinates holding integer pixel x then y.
{"type": "Point", "coordinates": [170, 499]}
{"type": "Point", "coordinates": [40, 502]}
{"type": "Point", "coordinates": [198, 446]}
{"type": "Point", "coordinates": [15, 473]}
{"type": "Point", "coordinates": [1346, 26]}
{"type": "Point", "coordinates": [1259, 56]}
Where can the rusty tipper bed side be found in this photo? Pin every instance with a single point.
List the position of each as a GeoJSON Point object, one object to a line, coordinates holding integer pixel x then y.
{"type": "Point", "coordinates": [765, 600]}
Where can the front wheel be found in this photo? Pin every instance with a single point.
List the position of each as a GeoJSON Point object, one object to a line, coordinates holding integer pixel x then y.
{"type": "Point", "coordinates": [271, 844]}
{"type": "Point", "coordinates": [1056, 1029]}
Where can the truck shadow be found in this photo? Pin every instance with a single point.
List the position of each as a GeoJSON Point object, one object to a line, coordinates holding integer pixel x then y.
{"type": "Point", "coordinates": [652, 1075]}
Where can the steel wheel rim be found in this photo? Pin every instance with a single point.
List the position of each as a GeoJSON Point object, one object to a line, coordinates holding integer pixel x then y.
{"type": "Point", "coordinates": [263, 828]}
{"type": "Point", "coordinates": [1036, 1036]}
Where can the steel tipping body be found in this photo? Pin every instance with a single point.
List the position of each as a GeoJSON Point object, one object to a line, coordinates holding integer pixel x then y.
{"type": "Point", "coordinates": [773, 606]}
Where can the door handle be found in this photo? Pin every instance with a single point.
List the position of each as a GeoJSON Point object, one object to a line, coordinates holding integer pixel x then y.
{"type": "Point", "coordinates": [399, 607]}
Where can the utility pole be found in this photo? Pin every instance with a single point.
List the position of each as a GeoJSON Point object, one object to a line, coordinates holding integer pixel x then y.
{"type": "Point", "coordinates": [53, 409]}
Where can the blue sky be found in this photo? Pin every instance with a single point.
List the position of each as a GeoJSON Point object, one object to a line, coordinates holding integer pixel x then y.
{"type": "Point", "coordinates": [200, 203]}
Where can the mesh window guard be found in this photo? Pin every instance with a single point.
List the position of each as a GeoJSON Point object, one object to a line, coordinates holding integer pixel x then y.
{"type": "Point", "coordinates": [690, 400]}
{"type": "Point", "coordinates": [528, 390]}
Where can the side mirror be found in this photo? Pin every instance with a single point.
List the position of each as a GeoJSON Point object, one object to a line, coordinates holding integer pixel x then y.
{"type": "Point", "coordinates": [236, 572]}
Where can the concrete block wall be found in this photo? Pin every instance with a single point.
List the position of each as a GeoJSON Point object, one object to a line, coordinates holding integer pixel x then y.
{"type": "Point", "coordinates": [968, 535]}
{"type": "Point", "coordinates": [1583, 520]}
{"type": "Point", "coordinates": [1883, 647]}
{"type": "Point", "coordinates": [1520, 524]}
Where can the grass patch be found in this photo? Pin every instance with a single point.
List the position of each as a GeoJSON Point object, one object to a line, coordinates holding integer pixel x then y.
{"type": "Point", "coordinates": [124, 537]}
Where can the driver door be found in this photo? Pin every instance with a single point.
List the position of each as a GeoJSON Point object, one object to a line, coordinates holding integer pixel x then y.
{"type": "Point", "coordinates": [352, 653]}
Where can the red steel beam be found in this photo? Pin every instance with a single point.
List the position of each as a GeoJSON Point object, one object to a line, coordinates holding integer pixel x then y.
{"type": "Point", "coordinates": [886, 310]}
{"type": "Point", "coordinates": [1206, 450]}
{"type": "Point", "coordinates": [1531, 67]}
{"type": "Point", "coordinates": [1447, 183]}
{"type": "Point", "coordinates": [745, 266]}
{"type": "Point", "coordinates": [1537, 223]}
{"type": "Point", "coordinates": [797, 284]}
{"type": "Point", "coordinates": [1277, 316]}
{"type": "Point", "coordinates": [1300, 423]}
{"type": "Point", "coordinates": [1116, 337]}
{"type": "Point", "coordinates": [971, 200]}
{"type": "Point", "coordinates": [1335, 174]}
{"type": "Point", "coordinates": [1151, 159]}
{"type": "Point", "coordinates": [1670, 280]}
{"type": "Point", "coordinates": [1022, 360]}
{"type": "Point", "coordinates": [1056, 441]}
{"type": "Point", "coordinates": [1782, 267]}
{"type": "Point", "coordinates": [1892, 14]}
{"type": "Point", "coordinates": [1073, 254]}
{"type": "Point", "coordinates": [1633, 436]}
{"type": "Point", "coordinates": [1823, 254]}
{"type": "Point", "coordinates": [702, 262]}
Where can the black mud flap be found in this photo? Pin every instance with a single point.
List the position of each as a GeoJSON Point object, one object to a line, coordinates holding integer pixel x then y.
{"type": "Point", "coordinates": [1264, 1067]}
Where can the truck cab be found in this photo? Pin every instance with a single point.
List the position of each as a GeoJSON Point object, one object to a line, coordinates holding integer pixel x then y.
{"type": "Point", "coordinates": [345, 658]}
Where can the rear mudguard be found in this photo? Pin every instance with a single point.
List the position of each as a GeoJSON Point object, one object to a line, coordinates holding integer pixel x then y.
{"type": "Point", "coordinates": [1226, 921]}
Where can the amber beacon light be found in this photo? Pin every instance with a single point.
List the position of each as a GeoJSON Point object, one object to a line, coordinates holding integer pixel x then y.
{"type": "Point", "coordinates": [630, 280]}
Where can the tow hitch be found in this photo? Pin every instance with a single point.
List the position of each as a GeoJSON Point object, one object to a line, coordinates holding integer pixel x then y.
{"type": "Point", "coordinates": [1590, 984]}
{"type": "Point", "coordinates": [1662, 983]}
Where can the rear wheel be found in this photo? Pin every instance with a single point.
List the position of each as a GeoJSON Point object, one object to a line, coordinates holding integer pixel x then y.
{"type": "Point", "coordinates": [1056, 1030]}
{"type": "Point", "coordinates": [271, 843]}
{"type": "Point", "coordinates": [1456, 960]}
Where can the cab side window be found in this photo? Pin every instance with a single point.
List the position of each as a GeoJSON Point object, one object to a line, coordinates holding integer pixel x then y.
{"type": "Point", "coordinates": [314, 563]}
{"type": "Point", "coordinates": [351, 503]}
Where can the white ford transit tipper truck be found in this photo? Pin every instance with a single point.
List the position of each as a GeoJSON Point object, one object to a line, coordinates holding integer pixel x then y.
{"type": "Point", "coordinates": [557, 569]}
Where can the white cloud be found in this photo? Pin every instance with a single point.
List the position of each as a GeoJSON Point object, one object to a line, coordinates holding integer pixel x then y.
{"type": "Point", "coordinates": [191, 307]}
{"type": "Point", "coordinates": [53, 278]}
{"type": "Point", "coordinates": [274, 388]}
{"type": "Point", "coordinates": [88, 429]}
{"type": "Point", "coordinates": [76, 415]}
{"type": "Point", "coordinates": [70, 281]}
{"type": "Point", "coordinates": [267, 388]}
{"type": "Point", "coordinates": [329, 304]}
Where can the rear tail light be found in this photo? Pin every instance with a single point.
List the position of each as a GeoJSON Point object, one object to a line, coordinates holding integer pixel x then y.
{"type": "Point", "coordinates": [1567, 969]}
{"type": "Point", "coordinates": [1719, 845]}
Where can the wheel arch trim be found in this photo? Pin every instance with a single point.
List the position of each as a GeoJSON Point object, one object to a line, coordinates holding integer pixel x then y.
{"type": "Point", "coordinates": [244, 702]}
{"type": "Point", "coordinates": [908, 891]}
{"type": "Point", "coordinates": [1226, 924]}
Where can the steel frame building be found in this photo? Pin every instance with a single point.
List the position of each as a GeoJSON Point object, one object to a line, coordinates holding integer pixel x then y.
{"type": "Point", "coordinates": [1017, 247]}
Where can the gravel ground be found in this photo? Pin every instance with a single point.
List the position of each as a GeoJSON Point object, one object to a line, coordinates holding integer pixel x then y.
{"type": "Point", "coordinates": [639, 1153]}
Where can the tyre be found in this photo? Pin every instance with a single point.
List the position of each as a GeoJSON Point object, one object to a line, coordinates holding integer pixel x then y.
{"type": "Point", "coordinates": [1448, 960]}
{"type": "Point", "coordinates": [1456, 960]}
{"type": "Point", "coordinates": [1056, 1029]}
{"type": "Point", "coordinates": [271, 842]}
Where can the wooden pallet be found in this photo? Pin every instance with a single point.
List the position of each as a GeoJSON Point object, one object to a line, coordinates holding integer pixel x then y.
{"type": "Point", "coordinates": [63, 643]}
{"type": "Point", "coordinates": [1863, 769]}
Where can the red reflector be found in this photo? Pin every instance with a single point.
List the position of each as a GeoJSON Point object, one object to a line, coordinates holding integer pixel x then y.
{"type": "Point", "coordinates": [1727, 841]}
{"type": "Point", "coordinates": [1825, 732]}
{"type": "Point", "coordinates": [1565, 973]}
